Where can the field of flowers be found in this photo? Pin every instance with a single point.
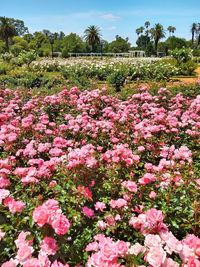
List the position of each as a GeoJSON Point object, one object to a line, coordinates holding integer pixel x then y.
{"type": "Point", "coordinates": [87, 179]}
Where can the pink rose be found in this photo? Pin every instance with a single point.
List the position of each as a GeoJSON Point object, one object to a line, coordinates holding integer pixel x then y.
{"type": "Point", "coordinates": [156, 256]}
{"type": "Point", "coordinates": [192, 262]}
{"type": "Point", "coordinates": [24, 253]}
{"type": "Point", "coordinates": [130, 185]}
{"type": "Point", "coordinates": [58, 264]}
{"type": "Point", "coordinates": [152, 195]}
{"type": "Point", "coordinates": [154, 216]}
{"type": "Point", "coordinates": [122, 247]}
{"type": "Point", "coordinates": [13, 205]}
{"type": "Point", "coordinates": [32, 263]}
{"type": "Point", "coordinates": [10, 263]}
{"type": "Point", "coordinates": [88, 212]}
{"type": "Point", "coordinates": [100, 206]}
{"type": "Point", "coordinates": [109, 252]}
{"type": "Point", "coordinates": [60, 224]}
{"type": "Point", "coordinates": [3, 194]}
{"type": "Point", "coordinates": [40, 215]}
{"type": "Point", "coordinates": [49, 246]}
{"type": "Point", "coordinates": [153, 241]}
{"type": "Point", "coordinates": [2, 234]}
{"type": "Point", "coordinates": [136, 249]}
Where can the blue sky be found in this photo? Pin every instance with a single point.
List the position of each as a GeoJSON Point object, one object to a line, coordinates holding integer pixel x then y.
{"type": "Point", "coordinates": [112, 16]}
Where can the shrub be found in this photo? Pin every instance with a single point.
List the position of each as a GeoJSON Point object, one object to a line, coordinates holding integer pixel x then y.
{"type": "Point", "coordinates": [117, 78]}
{"type": "Point", "coordinates": [187, 68]}
{"type": "Point", "coordinates": [90, 180]}
{"type": "Point", "coordinates": [182, 55]}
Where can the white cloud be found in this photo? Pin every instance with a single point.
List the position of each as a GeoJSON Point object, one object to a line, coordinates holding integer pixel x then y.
{"type": "Point", "coordinates": [112, 28]}
{"type": "Point", "coordinates": [109, 16]}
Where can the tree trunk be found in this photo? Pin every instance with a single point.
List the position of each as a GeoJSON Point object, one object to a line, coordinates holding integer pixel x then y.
{"type": "Point", "coordinates": [192, 37]}
{"type": "Point", "coordinates": [156, 46]}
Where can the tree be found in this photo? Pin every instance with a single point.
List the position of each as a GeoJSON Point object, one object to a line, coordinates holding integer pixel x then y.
{"type": "Point", "coordinates": [19, 26]}
{"type": "Point", "coordinates": [143, 41]}
{"type": "Point", "coordinates": [61, 35]}
{"type": "Point", "coordinates": [119, 45]}
{"type": "Point", "coordinates": [198, 33]}
{"type": "Point", "coordinates": [92, 36]}
{"type": "Point", "coordinates": [170, 30]}
{"type": "Point", "coordinates": [173, 29]}
{"type": "Point", "coordinates": [147, 24]}
{"type": "Point", "coordinates": [20, 44]}
{"type": "Point", "coordinates": [193, 31]}
{"type": "Point", "coordinates": [139, 30]}
{"type": "Point", "coordinates": [7, 31]}
{"type": "Point", "coordinates": [175, 42]}
{"type": "Point", "coordinates": [157, 33]}
{"type": "Point", "coordinates": [73, 43]}
{"type": "Point", "coordinates": [38, 40]}
{"type": "Point", "coordinates": [28, 37]}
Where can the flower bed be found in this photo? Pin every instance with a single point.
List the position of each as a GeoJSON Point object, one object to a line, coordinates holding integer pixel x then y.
{"type": "Point", "coordinates": [87, 179]}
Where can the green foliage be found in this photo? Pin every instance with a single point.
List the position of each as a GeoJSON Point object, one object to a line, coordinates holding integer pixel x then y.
{"type": "Point", "coordinates": [25, 57]}
{"type": "Point", "coordinates": [187, 68]}
{"type": "Point", "coordinates": [117, 78]}
{"type": "Point", "coordinates": [3, 68]}
{"type": "Point", "coordinates": [2, 47]}
{"type": "Point", "coordinates": [182, 55]}
{"type": "Point", "coordinates": [119, 45]}
{"type": "Point", "coordinates": [73, 43]}
{"type": "Point", "coordinates": [175, 43]}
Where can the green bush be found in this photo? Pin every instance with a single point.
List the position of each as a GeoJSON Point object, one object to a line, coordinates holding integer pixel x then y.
{"type": "Point", "coordinates": [187, 68]}
{"type": "Point", "coordinates": [65, 53]}
{"type": "Point", "coordinates": [117, 78]}
{"type": "Point", "coordinates": [182, 55]}
{"type": "Point", "coordinates": [3, 68]}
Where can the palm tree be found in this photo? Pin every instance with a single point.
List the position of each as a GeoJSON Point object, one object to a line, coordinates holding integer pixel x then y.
{"type": "Point", "coordinates": [7, 30]}
{"type": "Point", "coordinates": [92, 36]}
{"type": "Point", "coordinates": [193, 31]}
{"type": "Point", "coordinates": [170, 30]}
{"type": "Point", "coordinates": [157, 33]}
{"type": "Point", "coordinates": [147, 24]}
{"type": "Point", "coordinates": [139, 30]}
{"type": "Point", "coordinates": [198, 34]}
{"type": "Point", "coordinates": [173, 29]}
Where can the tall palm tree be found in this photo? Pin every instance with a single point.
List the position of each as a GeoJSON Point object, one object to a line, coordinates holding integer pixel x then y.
{"type": "Point", "coordinates": [198, 34]}
{"type": "Point", "coordinates": [147, 24]}
{"type": "Point", "coordinates": [7, 31]}
{"type": "Point", "coordinates": [92, 36]}
{"type": "Point", "coordinates": [170, 30]}
{"type": "Point", "coordinates": [157, 33]}
{"type": "Point", "coordinates": [173, 29]}
{"type": "Point", "coordinates": [139, 30]}
{"type": "Point", "coordinates": [193, 31]}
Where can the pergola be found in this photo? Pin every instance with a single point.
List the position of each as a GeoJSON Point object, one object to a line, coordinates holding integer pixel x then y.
{"type": "Point", "coordinates": [137, 53]}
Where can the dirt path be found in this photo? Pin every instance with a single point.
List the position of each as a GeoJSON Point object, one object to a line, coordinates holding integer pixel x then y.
{"type": "Point", "coordinates": [191, 79]}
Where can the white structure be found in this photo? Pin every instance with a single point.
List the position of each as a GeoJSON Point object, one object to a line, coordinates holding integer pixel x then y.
{"type": "Point", "coordinates": [134, 53]}
{"type": "Point", "coordinates": [137, 53]}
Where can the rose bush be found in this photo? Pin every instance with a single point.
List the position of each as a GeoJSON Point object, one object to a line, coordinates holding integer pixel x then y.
{"type": "Point", "coordinates": [87, 179]}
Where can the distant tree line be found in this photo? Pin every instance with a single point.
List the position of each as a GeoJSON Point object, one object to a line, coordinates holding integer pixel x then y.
{"type": "Point", "coordinates": [149, 39]}
{"type": "Point", "coordinates": [15, 37]}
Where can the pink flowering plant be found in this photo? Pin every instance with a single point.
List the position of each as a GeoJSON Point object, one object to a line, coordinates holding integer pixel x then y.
{"type": "Point", "coordinates": [88, 179]}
